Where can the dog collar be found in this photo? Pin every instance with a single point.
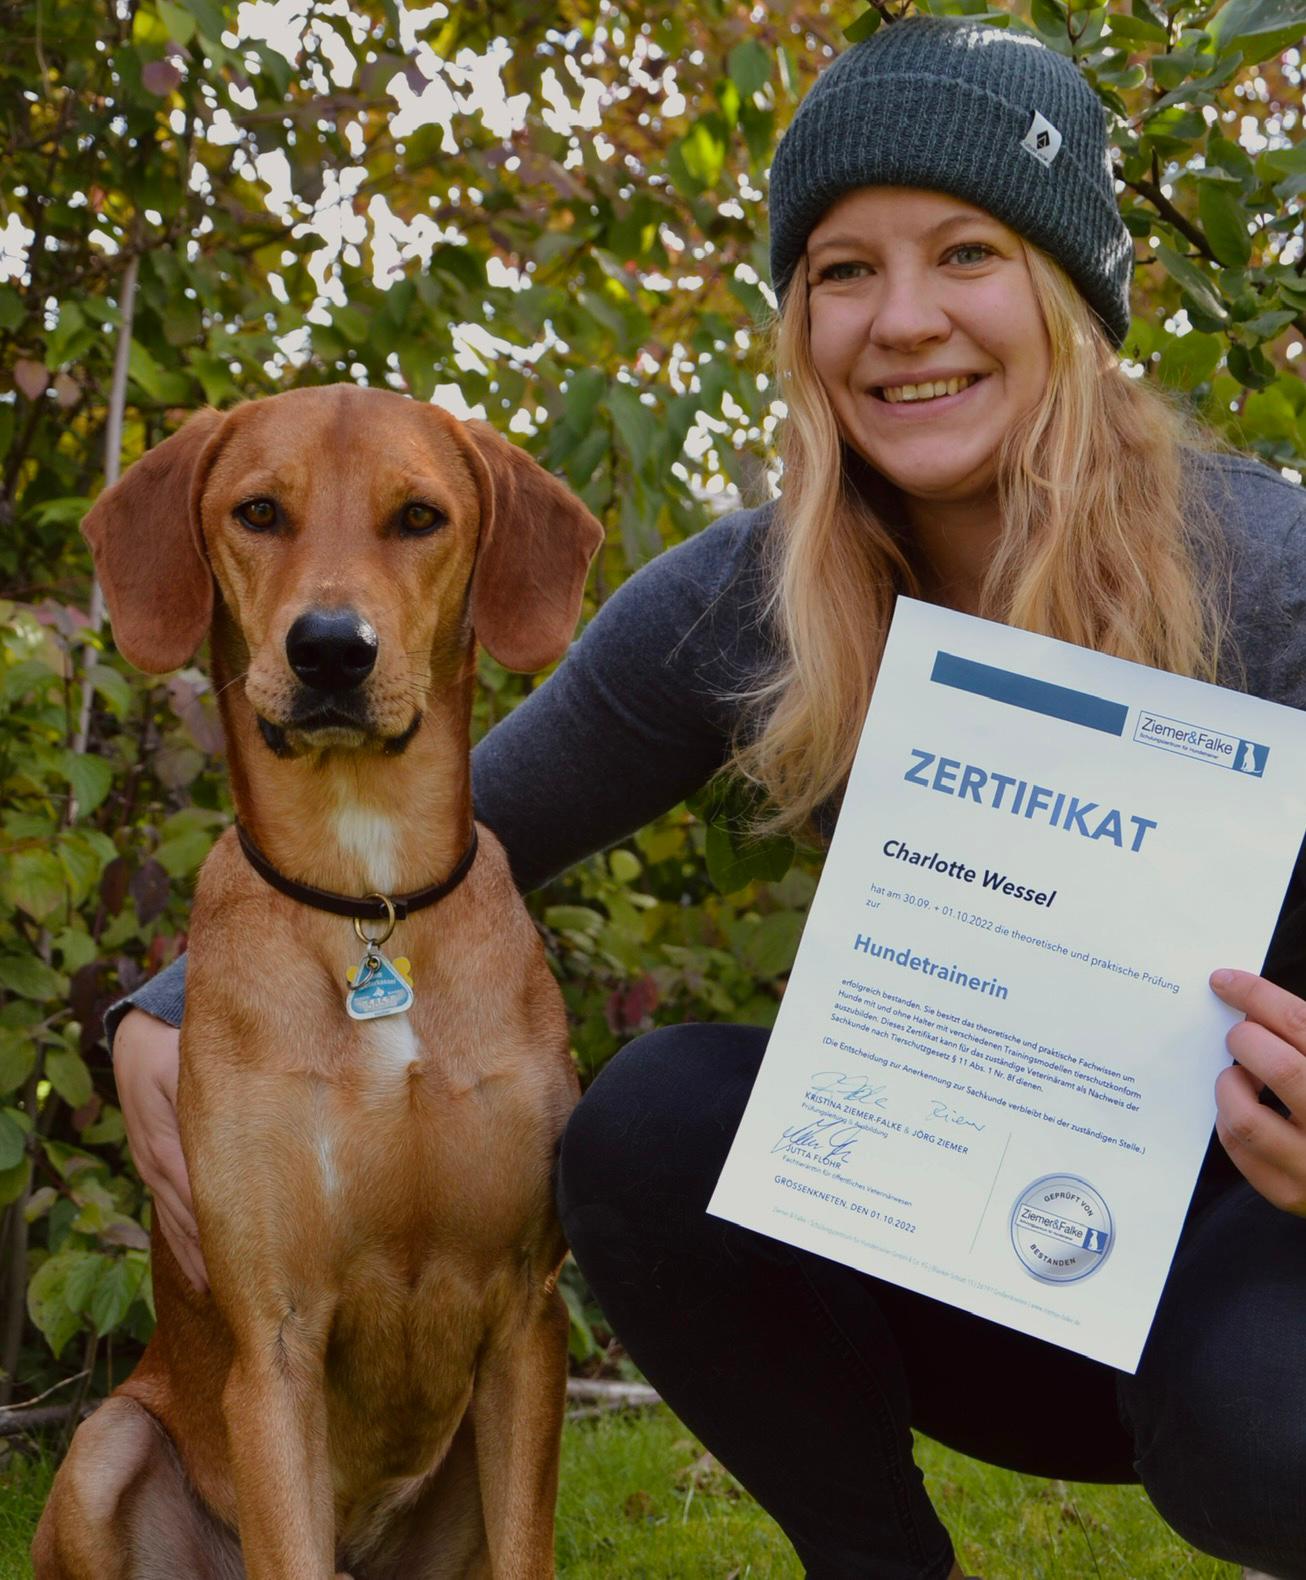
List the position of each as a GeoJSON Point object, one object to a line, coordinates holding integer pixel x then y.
{"type": "Point", "coordinates": [374, 908]}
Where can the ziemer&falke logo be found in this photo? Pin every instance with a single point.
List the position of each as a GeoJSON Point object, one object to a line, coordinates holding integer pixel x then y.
{"type": "Point", "coordinates": [1206, 746]}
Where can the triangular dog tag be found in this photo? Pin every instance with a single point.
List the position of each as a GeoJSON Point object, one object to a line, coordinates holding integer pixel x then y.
{"type": "Point", "coordinates": [377, 988]}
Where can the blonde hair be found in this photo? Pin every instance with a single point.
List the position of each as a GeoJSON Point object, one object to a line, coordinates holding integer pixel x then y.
{"type": "Point", "coordinates": [1099, 546]}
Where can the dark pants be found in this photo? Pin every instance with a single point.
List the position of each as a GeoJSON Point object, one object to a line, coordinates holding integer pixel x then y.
{"type": "Point", "coordinates": [805, 1377]}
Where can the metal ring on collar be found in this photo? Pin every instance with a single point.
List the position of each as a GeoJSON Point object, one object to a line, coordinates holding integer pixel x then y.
{"type": "Point", "coordinates": [389, 921]}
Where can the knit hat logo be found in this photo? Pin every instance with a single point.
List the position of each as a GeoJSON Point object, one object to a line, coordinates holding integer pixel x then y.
{"type": "Point", "coordinates": [1042, 139]}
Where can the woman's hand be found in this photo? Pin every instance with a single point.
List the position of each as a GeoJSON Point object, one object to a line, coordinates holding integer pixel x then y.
{"type": "Point", "coordinates": [145, 1057]}
{"type": "Point", "coordinates": [1270, 1047]}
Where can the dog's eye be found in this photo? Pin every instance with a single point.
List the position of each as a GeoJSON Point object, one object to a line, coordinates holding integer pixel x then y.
{"type": "Point", "coordinates": [258, 514]}
{"type": "Point", "coordinates": [415, 520]}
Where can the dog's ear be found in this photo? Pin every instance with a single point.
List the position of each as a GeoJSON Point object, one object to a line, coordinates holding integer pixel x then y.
{"type": "Point", "coordinates": [148, 553]}
{"type": "Point", "coordinates": [537, 541]}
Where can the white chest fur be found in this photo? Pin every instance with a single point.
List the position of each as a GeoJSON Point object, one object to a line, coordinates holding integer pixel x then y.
{"type": "Point", "coordinates": [369, 837]}
{"type": "Point", "coordinates": [387, 1052]}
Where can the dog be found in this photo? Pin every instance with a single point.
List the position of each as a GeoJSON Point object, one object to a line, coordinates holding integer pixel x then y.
{"type": "Point", "coordinates": [374, 1385]}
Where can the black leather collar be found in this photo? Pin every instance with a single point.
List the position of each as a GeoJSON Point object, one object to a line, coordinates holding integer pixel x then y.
{"type": "Point", "coordinates": [371, 909]}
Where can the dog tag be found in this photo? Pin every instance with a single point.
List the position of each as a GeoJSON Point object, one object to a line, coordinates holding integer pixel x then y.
{"type": "Point", "coordinates": [378, 987]}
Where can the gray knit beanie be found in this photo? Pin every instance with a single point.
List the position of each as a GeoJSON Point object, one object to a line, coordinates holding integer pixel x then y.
{"type": "Point", "coordinates": [987, 114]}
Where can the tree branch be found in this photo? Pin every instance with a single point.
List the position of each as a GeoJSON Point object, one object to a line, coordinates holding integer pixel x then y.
{"type": "Point", "coordinates": [112, 466]}
{"type": "Point", "coordinates": [1168, 212]}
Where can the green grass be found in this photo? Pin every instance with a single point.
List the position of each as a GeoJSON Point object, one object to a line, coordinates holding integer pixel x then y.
{"type": "Point", "coordinates": [640, 1503]}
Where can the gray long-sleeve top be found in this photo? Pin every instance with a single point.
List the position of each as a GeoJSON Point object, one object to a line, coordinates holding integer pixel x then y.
{"type": "Point", "coordinates": [641, 712]}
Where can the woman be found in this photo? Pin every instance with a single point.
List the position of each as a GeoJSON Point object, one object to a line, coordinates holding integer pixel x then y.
{"type": "Point", "coordinates": [953, 274]}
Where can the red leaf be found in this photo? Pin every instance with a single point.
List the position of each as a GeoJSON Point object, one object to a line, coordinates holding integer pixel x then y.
{"type": "Point", "coordinates": [628, 1008]}
{"type": "Point", "coordinates": [88, 1113]}
{"type": "Point", "coordinates": [113, 884]}
{"type": "Point", "coordinates": [150, 887]}
{"type": "Point", "coordinates": [31, 378]}
{"type": "Point", "coordinates": [126, 1233]}
{"type": "Point", "coordinates": [84, 991]}
{"type": "Point", "coordinates": [161, 77]}
{"type": "Point", "coordinates": [197, 712]}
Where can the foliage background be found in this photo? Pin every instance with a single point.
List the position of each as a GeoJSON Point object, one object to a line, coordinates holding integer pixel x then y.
{"type": "Point", "coordinates": [551, 216]}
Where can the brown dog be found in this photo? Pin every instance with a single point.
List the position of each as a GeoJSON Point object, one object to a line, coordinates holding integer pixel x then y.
{"type": "Point", "coordinates": [376, 1381]}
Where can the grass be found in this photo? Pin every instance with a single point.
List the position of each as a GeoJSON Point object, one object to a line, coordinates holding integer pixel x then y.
{"type": "Point", "coordinates": [641, 1502]}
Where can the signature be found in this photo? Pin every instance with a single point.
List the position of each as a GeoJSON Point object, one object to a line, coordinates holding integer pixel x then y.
{"type": "Point", "coordinates": [833, 1135]}
{"type": "Point", "coordinates": [940, 1110]}
{"type": "Point", "coordinates": [851, 1088]}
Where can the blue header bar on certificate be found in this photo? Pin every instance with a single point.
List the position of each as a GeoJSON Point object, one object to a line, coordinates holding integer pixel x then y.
{"type": "Point", "coordinates": [1035, 696]}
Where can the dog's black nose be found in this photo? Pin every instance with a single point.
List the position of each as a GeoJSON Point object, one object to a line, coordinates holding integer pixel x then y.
{"type": "Point", "coordinates": [331, 649]}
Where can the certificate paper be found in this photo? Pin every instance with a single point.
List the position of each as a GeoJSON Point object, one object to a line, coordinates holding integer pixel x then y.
{"type": "Point", "coordinates": [991, 1078]}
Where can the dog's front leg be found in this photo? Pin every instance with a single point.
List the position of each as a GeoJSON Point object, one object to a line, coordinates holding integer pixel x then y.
{"type": "Point", "coordinates": [262, 1239]}
{"type": "Point", "coordinates": [275, 1409]}
{"type": "Point", "coordinates": [517, 1406]}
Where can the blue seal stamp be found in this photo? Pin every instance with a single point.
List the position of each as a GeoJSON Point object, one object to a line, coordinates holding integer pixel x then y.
{"type": "Point", "coordinates": [1061, 1229]}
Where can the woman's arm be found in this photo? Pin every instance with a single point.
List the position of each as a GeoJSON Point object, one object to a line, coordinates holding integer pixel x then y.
{"type": "Point", "coordinates": [1266, 1143]}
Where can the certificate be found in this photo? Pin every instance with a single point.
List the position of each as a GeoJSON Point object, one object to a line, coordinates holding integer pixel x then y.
{"type": "Point", "coordinates": [991, 1077]}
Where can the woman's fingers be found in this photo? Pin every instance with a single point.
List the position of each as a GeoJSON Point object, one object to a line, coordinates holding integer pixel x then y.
{"type": "Point", "coordinates": [1275, 1008]}
{"type": "Point", "coordinates": [1271, 1043]}
{"type": "Point", "coordinates": [145, 1059]}
{"type": "Point", "coordinates": [183, 1244]}
{"type": "Point", "coordinates": [1268, 1150]}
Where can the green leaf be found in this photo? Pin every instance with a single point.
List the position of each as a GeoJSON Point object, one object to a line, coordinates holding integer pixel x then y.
{"type": "Point", "coordinates": [582, 395]}
{"type": "Point", "coordinates": [11, 308]}
{"type": "Point", "coordinates": [1049, 17]}
{"type": "Point", "coordinates": [76, 948]}
{"type": "Point", "coordinates": [1137, 29]}
{"type": "Point", "coordinates": [112, 687]}
{"type": "Point", "coordinates": [750, 67]}
{"type": "Point", "coordinates": [635, 422]}
{"type": "Point", "coordinates": [14, 1181]}
{"type": "Point", "coordinates": [703, 150]}
{"type": "Point", "coordinates": [180, 24]}
{"type": "Point", "coordinates": [733, 863]}
{"type": "Point", "coordinates": [1251, 367]}
{"type": "Point", "coordinates": [1190, 360]}
{"type": "Point", "coordinates": [82, 1279]}
{"type": "Point", "coordinates": [115, 1290]}
{"type": "Point", "coordinates": [40, 1202]}
{"type": "Point", "coordinates": [17, 1060]}
{"type": "Point", "coordinates": [574, 919]}
{"type": "Point", "coordinates": [863, 26]}
{"type": "Point", "coordinates": [34, 881]}
{"type": "Point", "coordinates": [59, 340]}
{"type": "Point", "coordinates": [168, 389]}
{"type": "Point", "coordinates": [624, 865]}
{"type": "Point", "coordinates": [31, 978]}
{"type": "Point", "coordinates": [768, 950]}
{"type": "Point", "coordinates": [1224, 154]}
{"type": "Point", "coordinates": [90, 777]}
{"type": "Point", "coordinates": [1265, 326]}
{"type": "Point", "coordinates": [183, 853]}
{"type": "Point", "coordinates": [1197, 284]}
{"type": "Point", "coordinates": [26, 677]}
{"type": "Point", "coordinates": [210, 17]}
{"type": "Point", "coordinates": [13, 1141]}
{"type": "Point", "coordinates": [66, 511]}
{"type": "Point", "coordinates": [1261, 27]}
{"type": "Point", "coordinates": [109, 1127]}
{"type": "Point", "coordinates": [69, 1076]}
{"type": "Point", "coordinates": [181, 321]}
{"type": "Point", "coordinates": [47, 1295]}
{"type": "Point", "coordinates": [1225, 222]}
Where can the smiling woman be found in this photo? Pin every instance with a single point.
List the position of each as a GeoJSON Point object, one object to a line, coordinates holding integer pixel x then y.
{"type": "Point", "coordinates": [953, 276]}
{"type": "Point", "coordinates": [926, 335]}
